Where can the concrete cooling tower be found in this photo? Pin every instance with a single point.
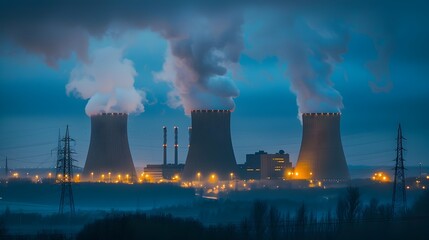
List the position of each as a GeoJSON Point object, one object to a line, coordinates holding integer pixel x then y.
{"type": "Point", "coordinates": [210, 151]}
{"type": "Point", "coordinates": [321, 155]}
{"type": "Point", "coordinates": [108, 149]}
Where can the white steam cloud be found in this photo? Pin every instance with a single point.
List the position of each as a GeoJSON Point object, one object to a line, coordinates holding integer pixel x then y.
{"type": "Point", "coordinates": [312, 52]}
{"type": "Point", "coordinates": [107, 80]}
{"type": "Point", "coordinates": [310, 47]}
{"type": "Point", "coordinates": [197, 60]}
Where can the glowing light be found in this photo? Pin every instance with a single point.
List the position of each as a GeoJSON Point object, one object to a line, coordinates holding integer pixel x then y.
{"type": "Point", "coordinates": [296, 174]}
{"type": "Point", "coordinates": [49, 175]}
{"type": "Point", "coordinates": [380, 176]}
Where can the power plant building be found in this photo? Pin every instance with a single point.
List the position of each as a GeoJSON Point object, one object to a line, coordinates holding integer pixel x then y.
{"type": "Point", "coordinates": [109, 151]}
{"type": "Point", "coordinates": [210, 152]}
{"type": "Point", "coordinates": [321, 155]}
{"type": "Point", "coordinates": [264, 166]}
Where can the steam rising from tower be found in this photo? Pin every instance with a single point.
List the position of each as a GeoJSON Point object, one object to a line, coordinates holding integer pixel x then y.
{"type": "Point", "coordinates": [210, 152]}
{"type": "Point", "coordinates": [321, 155]}
{"type": "Point", "coordinates": [107, 80]}
{"type": "Point", "coordinates": [109, 150]}
{"type": "Point", "coordinates": [202, 51]}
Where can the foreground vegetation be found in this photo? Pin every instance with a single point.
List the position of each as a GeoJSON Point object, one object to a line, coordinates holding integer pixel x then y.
{"type": "Point", "coordinates": [352, 219]}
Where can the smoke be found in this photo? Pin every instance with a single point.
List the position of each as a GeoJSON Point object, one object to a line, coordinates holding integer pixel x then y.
{"type": "Point", "coordinates": [107, 80]}
{"type": "Point", "coordinates": [311, 54]}
{"type": "Point", "coordinates": [199, 54]}
{"type": "Point", "coordinates": [311, 47]}
{"type": "Point", "coordinates": [205, 40]}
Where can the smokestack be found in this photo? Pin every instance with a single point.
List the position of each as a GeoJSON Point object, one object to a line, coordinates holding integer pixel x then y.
{"type": "Point", "coordinates": [176, 146]}
{"type": "Point", "coordinates": [6, 169]}
{"type": "Point", "coordinates": [321, 155]}
{"type": "Point", "coordinates": [164, 146]}
{"type": "Point", "coordinates": [210, 152]}
{"type": "Point", "coordinates": [108, 149]}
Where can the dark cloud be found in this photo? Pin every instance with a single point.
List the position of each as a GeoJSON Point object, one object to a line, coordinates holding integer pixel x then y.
{"type": "Point", "coordinates": [205, 37]}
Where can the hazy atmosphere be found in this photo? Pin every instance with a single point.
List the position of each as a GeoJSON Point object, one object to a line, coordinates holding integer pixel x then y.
{"type": "Point", "coordinates": [239, 77]}
{"type": "Point", "coordinates": [370, 62]}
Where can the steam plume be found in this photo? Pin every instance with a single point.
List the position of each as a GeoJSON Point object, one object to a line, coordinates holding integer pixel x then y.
{"type": "Point", "coordinates": [107, 80]}
{"type": "Point", "coordinates": [197, 60]}
{"type": "Point", "coordinates": [310, 47]}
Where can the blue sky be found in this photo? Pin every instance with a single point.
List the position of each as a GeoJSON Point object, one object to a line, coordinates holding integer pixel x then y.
{"type": "Point", "coordinates": [34, 103]}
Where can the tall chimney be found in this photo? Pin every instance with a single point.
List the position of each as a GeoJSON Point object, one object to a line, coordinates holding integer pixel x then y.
{"type": "Point", "coordinates": [164, 146]}
{"type": "Point", "coordinates": [321, 155]}
{"type": "Point", "coordinates": [211, 153]}
{"type": "Point", "coordinates": [109, 151]}
{"type": "Point", "coordinates": [176, 146]}
{"type": "Point", "coordinates": [6, 169]}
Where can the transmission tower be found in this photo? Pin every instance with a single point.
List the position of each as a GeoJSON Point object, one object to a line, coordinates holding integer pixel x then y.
{"type": "Point", "coordinates": [399, 199]}
{"type": "Point", "coordinates": [65, 175]}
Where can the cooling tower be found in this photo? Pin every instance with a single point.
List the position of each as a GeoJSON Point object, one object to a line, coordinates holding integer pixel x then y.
{"type": "Point", "coordinates": [109, 151]}
{"type": "Point", "coordinates": [210, 152]}
{"type": "Point", "coordinates": [321, 155]}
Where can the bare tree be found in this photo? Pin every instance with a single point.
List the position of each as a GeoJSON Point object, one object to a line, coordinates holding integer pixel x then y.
{"type": "Point", "coordinates": [259, 215]}
{"type": "Point", "coordinates": [274, 223]}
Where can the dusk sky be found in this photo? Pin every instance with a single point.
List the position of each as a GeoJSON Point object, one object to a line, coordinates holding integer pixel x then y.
{"type": "Point", "coordinates": [60, 62]}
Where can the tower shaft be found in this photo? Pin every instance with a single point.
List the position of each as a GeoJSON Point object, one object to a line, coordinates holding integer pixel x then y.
{"type": "Point", "coordinates": [210, 155]}
{"type": "Point", "coordinates": [109, 151]}
{"type": "Point", "coordinates": [321, 155]}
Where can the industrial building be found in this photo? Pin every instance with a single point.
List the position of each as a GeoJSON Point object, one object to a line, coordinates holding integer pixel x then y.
{"type": "Point", "coordinates": [109, 151]}
{"type": "Point", "coordinates": [157, 172]}
{"type": "Point", "coordinates": [210, 154]}
{"type": "Point", "coordinates": [264, 166]}
{"type": "Point", "coordinates": [321, 155]}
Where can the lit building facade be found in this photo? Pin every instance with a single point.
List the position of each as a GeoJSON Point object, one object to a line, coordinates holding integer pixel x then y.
{"type": "Point", "coordinates": [264, 166]}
